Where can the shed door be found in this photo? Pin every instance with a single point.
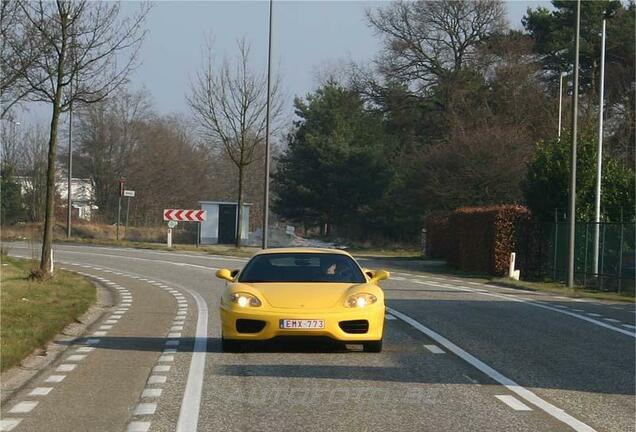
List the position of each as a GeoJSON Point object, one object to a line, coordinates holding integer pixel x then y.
{"type": "Point", "coordinates": [227, 224]}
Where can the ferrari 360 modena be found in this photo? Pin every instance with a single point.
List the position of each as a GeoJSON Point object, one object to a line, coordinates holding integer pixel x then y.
{"type": "Point", "coordinates": [302, 292]}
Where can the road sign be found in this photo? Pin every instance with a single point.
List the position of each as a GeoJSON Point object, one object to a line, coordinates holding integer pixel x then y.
{"type": "Point", "coordinates": [129, 193]}
{"type": "Point", "coordinates": [172, 224]}
{"type": "Point", "coordinates": [184, 215]}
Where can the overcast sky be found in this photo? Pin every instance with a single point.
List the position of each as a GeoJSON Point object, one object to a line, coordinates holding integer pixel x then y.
{"type": "Point", "coordinates": [307, 37]}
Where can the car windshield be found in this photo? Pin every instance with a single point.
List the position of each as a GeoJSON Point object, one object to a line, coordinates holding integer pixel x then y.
{"type": "Point", "coordinates": [302, 267]}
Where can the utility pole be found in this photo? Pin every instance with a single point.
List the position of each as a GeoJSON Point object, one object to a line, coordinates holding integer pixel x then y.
{"type": "Point", "coordinates": [269, 91]}
{"type": "Point", "coordinates": [572, 197]}
{"type": "Point", "coordinates": [599, 155]}
{"type": "Point", "coordinates": [121, 192]}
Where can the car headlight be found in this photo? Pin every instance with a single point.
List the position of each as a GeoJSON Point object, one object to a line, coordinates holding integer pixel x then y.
{"type": "Point", "coordinates": [244, 299]}
{"type": "Point", "coordinates": [361, 300]}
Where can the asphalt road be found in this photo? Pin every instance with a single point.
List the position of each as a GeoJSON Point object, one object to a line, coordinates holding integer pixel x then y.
{"type": "Point", "coordinates": [459, 356]}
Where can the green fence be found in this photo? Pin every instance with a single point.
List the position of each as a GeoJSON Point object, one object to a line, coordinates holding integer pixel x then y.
{"type": "Point", "coordinates": [543, 250]}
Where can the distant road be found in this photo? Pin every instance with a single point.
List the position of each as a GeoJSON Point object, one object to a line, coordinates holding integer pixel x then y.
{"type": "Point", "coordinates": [459, 356]}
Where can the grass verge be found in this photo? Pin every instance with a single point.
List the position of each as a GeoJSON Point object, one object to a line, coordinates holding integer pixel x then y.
{"type": "Point", "coordinates": [34, 312]}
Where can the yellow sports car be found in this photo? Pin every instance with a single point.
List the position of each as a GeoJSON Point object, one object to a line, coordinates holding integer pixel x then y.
{"type": "Point", "coordinates": [302, 292]}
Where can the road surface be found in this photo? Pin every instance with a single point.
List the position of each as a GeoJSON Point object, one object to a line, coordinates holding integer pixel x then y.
{"type": "Point", "coordinates": [459, 356]}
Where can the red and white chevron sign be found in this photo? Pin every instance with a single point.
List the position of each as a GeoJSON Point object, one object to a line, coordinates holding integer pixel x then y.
{"type": "Point", "coordinates": [184, 215]}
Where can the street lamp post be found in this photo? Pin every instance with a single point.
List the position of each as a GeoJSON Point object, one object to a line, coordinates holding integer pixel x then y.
{"type": "Point", "coordinates": [599, 156]}
{"type": "Point", "coordinates": [563, 75]}
{"type": "Point", "coordinates": [572, 197]}
{"type": "Point", "coordinates": [269, 91]}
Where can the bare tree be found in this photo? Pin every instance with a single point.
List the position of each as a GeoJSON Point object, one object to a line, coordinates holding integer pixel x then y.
{"type": "Point", "coordinates": [88, 51]}
{"type": "Point", "coordinates": [229, 102]}
{"type": "Point", "coordinates": [425, 41]}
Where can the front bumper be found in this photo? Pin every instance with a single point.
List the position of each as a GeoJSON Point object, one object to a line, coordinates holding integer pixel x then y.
{"type": "Point", "coordinates": [373, 314]}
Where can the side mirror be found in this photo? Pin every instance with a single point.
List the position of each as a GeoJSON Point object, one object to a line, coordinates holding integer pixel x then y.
{"type": "Point", "coordinates": [225, 274]}
{"type": "Point", "coordinates": [380, 275]}
{"type": "Point", "coordinates": [234, 273]}
{"type": "Point", "coordinates": [369, 273]}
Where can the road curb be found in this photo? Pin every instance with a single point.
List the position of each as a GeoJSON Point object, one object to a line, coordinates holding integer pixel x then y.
{"type": "Point", "coordinates": [16, 378]}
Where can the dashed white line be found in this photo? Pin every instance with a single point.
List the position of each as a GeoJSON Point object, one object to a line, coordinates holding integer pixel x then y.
{"type": "Point", "coordinates": [513, 403]}
{"type": "Point", "coordinates": [55, 378]}
{"type": "Point", "coordinates": [23, 407]}
{"type": "Point", "coordinates": [7, 425]}
{"type": "Point", "coordinates": [40, 391]}
{"type": "Point", "coordinates": [138, 426]}
{"type": "Point", "coordinates": [629, 326]}
{"type": "Point", "coordinates": [151, 393]}
{"type": "Point", "coordinates": [612, 320]}
{"type": "Point", "coordinates": [434, 349]}
{"type": "Point", "coordinates": [145, 409]}
{"type": "Point", "coordinates": [157, 379]}
{"type": "Point", "coordinates": [166, 358]}
{"type": "Point", "coordinates": [511, 385]}
{"type": "Point", "coordinates": [161, 368]}
{"type": "Point", "coordinates": [76, 357]}
{"type": "Point", "coordinates": [85, 349]}
{"type": "Point", "coordinates": [65, 367]}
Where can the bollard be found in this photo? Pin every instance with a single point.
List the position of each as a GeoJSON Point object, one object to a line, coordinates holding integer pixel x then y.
{"type": "Point", "coordinates": [511, 268]}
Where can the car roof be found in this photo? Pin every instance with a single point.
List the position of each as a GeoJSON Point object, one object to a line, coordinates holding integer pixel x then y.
{"type": "Point", "coordinates": [302, 250]}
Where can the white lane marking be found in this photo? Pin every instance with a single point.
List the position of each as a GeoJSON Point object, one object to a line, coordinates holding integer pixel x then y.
{"type": "Point", "coordinates": [138, 426]}
{"type": "Point", "coordinates": [524, 393]}
{"type": "Point", "coordinates": [23, 407]}
{"type": "Point", "coordinates": [539, 305]}
{"type": "Point", "coordinates": [594, 314]}
{"type": "Point", "coordinates": [100, 333]}
{"type": "Point", "coordinates": [434, 349]}
{"type": "Point", "coordinates": [578, 310]}
{"type": "Point", "coordinates": [145, 409]}
{"type": "Point", "coordinates": [161, 368]}
{"type": "Point", "coordinates": [560, 306]}
{"type": "Point", "coordinates": [7, 425]}
{"type": "Point", "coordinates": [116, 316]}
{"type": "Point", "coordinates": [170, 351]}
{"type": "Point", "coordinates": [397, 278]}
{"type": "Point", "coordinates": [85, 349]}
{"type": "Point", "coordinates": [40, 391]}
{"type": "Point", "coordinates": [181, 313]}
{"type": "Point", "coordinates": [65, 367]}
{"type": "Point", "coordinates": [166, 358]}
{"type": "Point", "coordinates": [629, 326]}
{"type": "Point", "coordinates": [55, 378]}
{"type": "Point", "coordinates": [513, 403]}
{"type": "Point", "coordinates": [176, 328]}
{"type": "Point", "coordinates": [157, 379]}
{"type": "Point", "coordinates": [106, 327]}
{"type": "Point", "coordinates": [111, 321]}
{"type": "Point", "coordinates": [389, 317]}
{"type": "Point", "coordinates": [172, 343]}
{"type": "Point", "coordinates": [151, 393]}
{"type": "Point", "coordinates": [76, 357]}
{"type": "Point", "coordinates": [174, 335]}
{"type": "Point", "coordinates": [611, 320]}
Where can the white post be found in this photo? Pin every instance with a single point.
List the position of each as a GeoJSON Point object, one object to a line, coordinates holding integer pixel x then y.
{"type": "Point", "coordinates": [511, 269]}
{"type": "Point", "coordinates": [169, 237]}
{"type": "Point", "coordinates": [51, 267]}
{"type": "Point", "coordinates": [560, 100]}
{"type": "Point", "coordinates": [599, 157]}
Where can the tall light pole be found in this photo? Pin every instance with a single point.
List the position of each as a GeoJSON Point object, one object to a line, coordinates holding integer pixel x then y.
{"type": "Point", "coordinates": [599, 155]}
{"type": "Point", "coordinates": [563, 75]}
{"type": "Point", "coordinates": [269, 91]}
{"type": "Point", "coordinates": [572, 197]}
{"type": "Point", "coordinates": [69, 213]}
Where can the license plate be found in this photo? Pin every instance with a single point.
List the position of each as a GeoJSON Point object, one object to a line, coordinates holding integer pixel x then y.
{"type": "Point", "coordinates": [302, 324]}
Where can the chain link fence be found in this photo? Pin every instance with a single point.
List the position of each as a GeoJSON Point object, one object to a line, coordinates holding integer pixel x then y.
{"type": "Point", "coordinates": [543, 254]}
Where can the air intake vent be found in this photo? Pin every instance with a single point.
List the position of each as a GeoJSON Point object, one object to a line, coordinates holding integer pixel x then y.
{"type": "Point", "coordinates": [249, 326]}
{"type": "Point", "coordinates": [354, 326]}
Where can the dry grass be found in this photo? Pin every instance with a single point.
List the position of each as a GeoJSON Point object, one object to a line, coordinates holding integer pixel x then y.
{"type": "Point", "coordinates": [34, 312]}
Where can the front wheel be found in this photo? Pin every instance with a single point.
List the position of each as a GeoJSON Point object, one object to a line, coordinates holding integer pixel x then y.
{"type": "Point", "coordinates": [374, 347]}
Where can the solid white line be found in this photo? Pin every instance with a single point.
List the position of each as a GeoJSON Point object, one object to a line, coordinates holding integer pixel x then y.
{"type": "Point", "coordinates": [40, 391]}
{"type": "Point", "coordinates": [611, 320]}
{"type": "Point", "coordinates": [511, 385]}
{"type": "Point", "coordinates": [513, 403]}
{"type": "Point", "coordinates": [23, 407]}
{"type": "Point", "coordinates": [434, 349]}
{"type": "Point", "coordinates": [389, 317]}
{"type": "Point", "coordinates": [629, 326]}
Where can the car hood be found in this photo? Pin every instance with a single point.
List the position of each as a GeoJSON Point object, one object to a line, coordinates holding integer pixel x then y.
{"type": "Point", "coordinates": [303, 295]}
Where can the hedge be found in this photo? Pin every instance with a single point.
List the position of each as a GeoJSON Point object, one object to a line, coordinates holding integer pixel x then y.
{"type": "Point", "coordinates": [477, 238]}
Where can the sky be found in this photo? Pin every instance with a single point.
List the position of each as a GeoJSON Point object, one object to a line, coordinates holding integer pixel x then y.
{"type": "Point", "coordinates": [307, 37]}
